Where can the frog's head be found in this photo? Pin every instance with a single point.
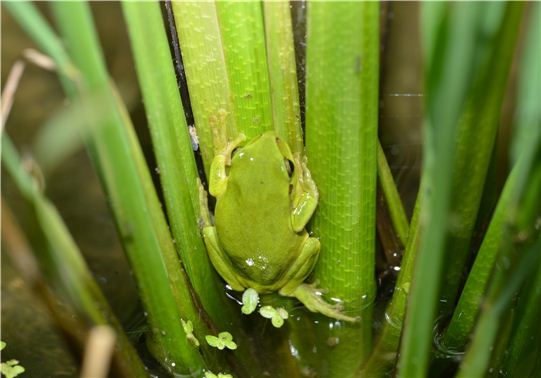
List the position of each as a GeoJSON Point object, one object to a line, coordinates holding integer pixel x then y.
{"type": "Point", "coordinates": [264, 159]}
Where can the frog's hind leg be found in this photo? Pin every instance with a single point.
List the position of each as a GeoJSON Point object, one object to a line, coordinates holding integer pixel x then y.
{"type": "Point", "coordinates": [310, 297]}
{"type": "Point", "coordinates": [302, 267]}
{"type": "Point", "coordinates": [219, 259]}
{"type": "Point", "coordinates": [307, 294]}
{"type": "Point", "coordinates": [217, 256]}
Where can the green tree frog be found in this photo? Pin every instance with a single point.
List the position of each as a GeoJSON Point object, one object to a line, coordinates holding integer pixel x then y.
{"type": "Point", "coordinates": [264, 199]}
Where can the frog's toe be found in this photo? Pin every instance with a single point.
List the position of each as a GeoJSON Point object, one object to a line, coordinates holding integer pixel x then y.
{"type": "Point", "coordinates": [311, 298]}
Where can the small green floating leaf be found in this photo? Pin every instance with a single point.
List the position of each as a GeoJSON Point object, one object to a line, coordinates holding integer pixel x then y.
{"type": "Point", "coordinates": [209, 374]}
{"type": "Point", "coordinates": [250, 299]}
{"type": "Point", "coordinates": [227, 340]}
{"type": "Point", "coordinates": [2, 345]}
{"type": "Point", "coordinates": [282, 313]}
{"type": "Point", "coordinates": [187, 325]}
{"type": "Point", "coordinates": [267, 312]}
{"type": "Point", "coordinates": [224, 340]}
{"type": "Point", "coordinates": [11, 368]}
{"type": "Point", "coordinates": [276, 315]}
{"type": "Point", "coordinates": [213, 341]}
{"type": "Point", "coordinates": [277, 321]}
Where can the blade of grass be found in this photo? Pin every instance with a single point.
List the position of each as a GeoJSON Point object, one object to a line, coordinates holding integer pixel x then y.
{"type": "Point", "coordinates": [206, 73]}
{"type": "Point", "coordinates": [392, 197]}
{"type": "Point", "coordinates": [283, 74]}
{"type": "Point", "coordinates": [243, 44]}
{"type": "Point", "coordinates": [447, 59]}
{"type": "Point", "coordinates": [475, 363]}
{"type": "Point", "coordinates": [498, 27]}
{"type": "Point", "coordinates": [119, 161]}
{"type": "Point", "coordinates": [341, 142]}
{"type": "Point", "coordinates": [133, 180]}
{"type": "Point", "coordinates": [436, 22]}
{"type": "Point", "coordinates": [39, 30]}
{"type": "Point", "coordinates": [383, 357]}
{"type": "Point", "coordinates": [62, 258]}
{"type": "Point", "coordinates": [457, 333]}
{"type": "Point", "coordinates": [529, 95]}
{"type": "Point", "coordinates": [176, 163]}
{"type": "Point", "coordinates": [521, 354]}
{"type": "Point", "coordinates": [524, 346]}
{"type": "Point", "coordinates": [464, 21]}
{"type": "Point", "coordinates": [465, 313]}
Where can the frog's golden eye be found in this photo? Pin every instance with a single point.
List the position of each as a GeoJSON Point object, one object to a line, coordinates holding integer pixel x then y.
{"type": "Point", "coordinates": [234, 151]}
{"type": "Point", "coordinates": [290, 167]}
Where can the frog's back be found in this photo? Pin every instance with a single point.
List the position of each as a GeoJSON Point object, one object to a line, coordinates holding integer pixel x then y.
{"type": "Point", "coordinates": [252, 217]}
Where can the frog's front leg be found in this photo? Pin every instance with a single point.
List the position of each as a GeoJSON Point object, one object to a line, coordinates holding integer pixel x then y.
{"type": "Point", "coordinates": [217, 255]}
{"type": "Point", "coordinates": [307, 294]}
{"type": "Point", "coordinates": [218, 173]}
{"type": "Point", "coordinates": [305, 198]}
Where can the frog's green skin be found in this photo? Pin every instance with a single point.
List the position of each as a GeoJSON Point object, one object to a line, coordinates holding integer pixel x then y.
{"type": "Point", "coordinates": [259, 239]}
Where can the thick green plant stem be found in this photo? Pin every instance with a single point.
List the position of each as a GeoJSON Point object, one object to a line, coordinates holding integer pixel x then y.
{"type": "Point", "coordinates": [341, 144]}
{"type": "Point", "coordinates": [392, 197]}
{"type": "Point", "coordinates": [283, 74]}
{"type": "Point", "coordinates": [178, 173]}
{"type": "Point", "coordinates": [65, 264]}
{"type": "Point", "coordinates": [119, 161]}
{"type": "Point", "coordinates": [206, 72]}
{"type": "Point", "coordinates": [243, 44]}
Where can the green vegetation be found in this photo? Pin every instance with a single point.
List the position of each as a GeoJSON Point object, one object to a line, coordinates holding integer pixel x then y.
{"type": "Point", "coordinates": [467, 299]}
{"type": "Point", "coordinates": [10, 368]}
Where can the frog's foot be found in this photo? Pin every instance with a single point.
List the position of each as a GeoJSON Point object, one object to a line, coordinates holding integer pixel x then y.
{"type": "Point", "coordinates": [310, 297]}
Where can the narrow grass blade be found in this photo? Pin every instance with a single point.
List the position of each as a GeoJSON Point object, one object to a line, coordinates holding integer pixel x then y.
{"type": "Point", "coordinates": [498, 25]}
{"type": "Point", "coordinates": [464, 316]}
{"type": "Point", "coordinates": [507, 283]}
{"type": "Point", "coordinates": [283, 73]}
{"type": "Point", "coordinates": [243, 44]}
{"type": "Point", "coordinates": [119, 161]}
{"type": "Point", "coordinates": [392, 197]}
{"type": "Point", "coordinates": [384, 355]}
{"type": "Point", "coordinates": [529, 95]}
{"type": "Point", "coordinates": [450, 96]}
{"type": "Point", "coordinates": [64, 262]}
{"type": "Point", "coordinates": [525, 346]}
{"type": "Point", "coordinates": [176, 163]}
{"type": "Point", "coordinates": [37, 28]}
{"type": "Point", "coordinates": [206, 72]}
{"type": "Point", "coordinates": [341, 142]}
{"type": "Point", "coordinates": [524, 349]}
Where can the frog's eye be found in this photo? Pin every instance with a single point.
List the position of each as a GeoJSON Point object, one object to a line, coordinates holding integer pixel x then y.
{"type": "Point", "coordinates": [290, 167]}
{"type": "Point", "coordinates": [234, 151]}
